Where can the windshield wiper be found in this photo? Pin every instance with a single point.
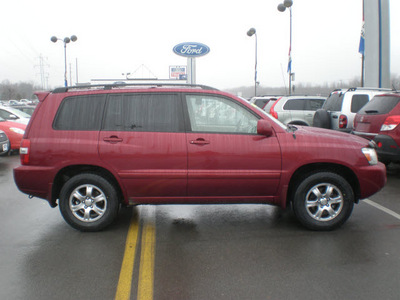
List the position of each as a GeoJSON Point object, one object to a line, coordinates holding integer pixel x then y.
{"type": "Point", "coordinates": [371, 111]}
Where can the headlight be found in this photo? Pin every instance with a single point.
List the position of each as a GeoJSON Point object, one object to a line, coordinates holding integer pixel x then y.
{"type": "Point", "coordinates": [17, 130]}
{"type": "Point", "coordinates": [370, 155]}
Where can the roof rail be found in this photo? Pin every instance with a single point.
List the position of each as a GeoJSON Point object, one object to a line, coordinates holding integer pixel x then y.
{"type": "Point", "coordinates": [128, 85]}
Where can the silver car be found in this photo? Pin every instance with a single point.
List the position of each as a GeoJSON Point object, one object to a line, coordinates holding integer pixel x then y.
{"type": "Point", "coordinates": [297, 110]}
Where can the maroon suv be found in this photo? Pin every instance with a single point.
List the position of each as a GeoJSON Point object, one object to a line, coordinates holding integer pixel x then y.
{"type": "Point", "coordinates": [92, 149]}
{"type": "Point", "coordinates": [380, 120]}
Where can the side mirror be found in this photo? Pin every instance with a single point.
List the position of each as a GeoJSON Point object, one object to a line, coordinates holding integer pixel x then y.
{"type": "Point", "coordinates": [264, 128]}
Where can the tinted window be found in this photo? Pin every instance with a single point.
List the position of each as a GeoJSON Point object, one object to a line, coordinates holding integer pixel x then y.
{"type": "Point", "coordinates": [295, 104]}
{"type": "Point", "coordinates": [214, 114]}
{"type": "Point", "coordinates": [380, 105]}
{"type": "Point", "coordinates": [261, 102]}
{"type": "Point", "coordinates": [358, 101]}
{"type": "Point", "coordinates": [80, 113]}
{"type": "Point", "coordinates": [334, 102]}
{"type": "Point", "coordinates": [143, 112]}
{"type": "Point", "coordinates": [314, 104]}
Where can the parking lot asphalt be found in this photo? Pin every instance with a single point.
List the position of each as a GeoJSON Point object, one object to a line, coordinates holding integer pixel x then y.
{"type": "Point", "coordinates": [198, 252]}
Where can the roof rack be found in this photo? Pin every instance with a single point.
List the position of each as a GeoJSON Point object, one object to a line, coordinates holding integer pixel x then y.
{"type": "Point", "coordinates": [128, 85]}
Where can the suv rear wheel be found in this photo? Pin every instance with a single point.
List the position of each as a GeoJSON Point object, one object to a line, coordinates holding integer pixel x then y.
{"type": "Point", "coordinates": [88, 202]}
{"type": "Point", "coordinates": [323, 201]}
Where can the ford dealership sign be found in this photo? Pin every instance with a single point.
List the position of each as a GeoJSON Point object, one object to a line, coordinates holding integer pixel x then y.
{"type": "Point", "coordinates": [191, 49]}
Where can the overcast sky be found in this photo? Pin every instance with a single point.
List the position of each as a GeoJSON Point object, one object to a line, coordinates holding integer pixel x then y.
{"type": "Point", "coordinates": [121, 36]}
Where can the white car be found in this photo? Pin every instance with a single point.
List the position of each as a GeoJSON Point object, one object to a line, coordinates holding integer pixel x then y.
{"type": "Point", "coordinates": [14, 115]}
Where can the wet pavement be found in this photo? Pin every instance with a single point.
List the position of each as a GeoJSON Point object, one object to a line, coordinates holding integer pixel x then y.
{"type": "Point", "coordinates": [200, 252]}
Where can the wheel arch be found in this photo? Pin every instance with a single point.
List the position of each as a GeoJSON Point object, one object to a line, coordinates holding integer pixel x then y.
{"type": "Point", "coordinates": [307, 170]}
{"type": "Point", "coordinates": [68, 172]}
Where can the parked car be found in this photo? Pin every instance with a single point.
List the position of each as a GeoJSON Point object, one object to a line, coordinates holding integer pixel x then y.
{"type": "Point", "coordinates": [89, 150]}
{"type": "Point", "coordinates": [296, 110]}
{"type": "Point", "coordinates": [15, 115]}
{"type": "Point", "coordinates": [341, 106]}
{"type": "Point", "coordinates": [379, 120]}
{"type": "Point", "coordinates": [4, 143]}
{"type": "Point", "coordinates": [262, 101]}
{"type": "Point", "coordinates": [14, 132]}
{"type": "Point", "coordinates": [27, 109]}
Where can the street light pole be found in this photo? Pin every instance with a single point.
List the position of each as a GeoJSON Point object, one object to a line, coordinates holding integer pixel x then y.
{"type": "Point", "coordinates": [66, 40]}
{"type": "Point", "coordinates": [282, 7]}
{"type": "Point", "coordinates": [250, 32]}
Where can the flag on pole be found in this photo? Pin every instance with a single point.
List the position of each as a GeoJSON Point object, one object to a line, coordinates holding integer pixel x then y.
{"type": "Point", "coordinates": [289, 66]}
{"type": "Point", "coordinates": [361, 47]}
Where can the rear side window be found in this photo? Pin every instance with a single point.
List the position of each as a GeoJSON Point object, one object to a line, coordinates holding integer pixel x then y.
{"type": "Point", "coordinates": [80, 113]}
{"type": "Point", "coordinates": [334, 102]}
{"type": "Point", "coordinates": [380, 105]}
{"type": "Point", "coordinates": [144, 112]}
{"type": "Point", "coordinates": [314, 104]}
{"type": "Point", "coordinates": [295, 104]}
{"type": "Point", "coordinates": [358, 101]}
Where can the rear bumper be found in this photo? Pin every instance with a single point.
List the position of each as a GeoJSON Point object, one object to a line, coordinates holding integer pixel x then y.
{"type": "Point", "coordinates": [35, 181]}
{"type": "Point", "coordinates": [388, 150]}
{"type": "Point", "coordinates": [372, 179]}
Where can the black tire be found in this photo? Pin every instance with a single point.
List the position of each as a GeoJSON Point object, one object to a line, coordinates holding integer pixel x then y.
{"type": "Point", "coordinates": [88, 202]}
{"type": "Point", "coordinates": [323, 201]}
{"type": "Point", "coordinates": [322, 119]}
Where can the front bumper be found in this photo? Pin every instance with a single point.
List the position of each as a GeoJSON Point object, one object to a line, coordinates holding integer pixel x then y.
{"type": "Point", "coordinates": [388, 150]}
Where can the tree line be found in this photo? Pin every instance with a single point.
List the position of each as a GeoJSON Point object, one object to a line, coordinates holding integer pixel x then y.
{"type": "Point", "coordinates": [25, 90]}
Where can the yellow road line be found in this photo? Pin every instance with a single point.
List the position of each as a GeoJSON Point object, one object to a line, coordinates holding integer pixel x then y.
{"type": "Point", "coordinates": [125, 276]}
{"type": "Point", "coordinates": [146, 271]}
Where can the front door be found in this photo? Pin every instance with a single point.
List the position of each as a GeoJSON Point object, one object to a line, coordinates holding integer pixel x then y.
{"type": "Point", "coordinates": [227, 160]}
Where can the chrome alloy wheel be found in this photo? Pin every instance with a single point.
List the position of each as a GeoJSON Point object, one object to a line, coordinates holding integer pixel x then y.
{"type": "Point", "coordinates": [324, 202]}
{"type": "Point", "coordinates": [88, 203]}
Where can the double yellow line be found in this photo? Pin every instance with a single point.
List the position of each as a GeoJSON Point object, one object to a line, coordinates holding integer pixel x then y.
{"type": "Point", "coordinates": [146, 267]}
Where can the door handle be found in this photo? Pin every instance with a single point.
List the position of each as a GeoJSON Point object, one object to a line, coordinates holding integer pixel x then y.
{"type": "Point", "coordinates": [199, 142]}
{"type": "Point", "coordinates": [112, 139]}
{"type": "Point", "coordinates": [335, 117]}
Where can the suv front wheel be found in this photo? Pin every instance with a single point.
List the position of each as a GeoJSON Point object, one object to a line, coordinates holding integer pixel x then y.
{"type": "Point", "coordinates": [88, 202]}
{"type": "Point", "coordinates": [323, 201]}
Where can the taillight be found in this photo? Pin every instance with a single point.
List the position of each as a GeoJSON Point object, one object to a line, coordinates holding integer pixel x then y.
{"type": "Point", "coordinates": [24, 151]}
{"type": "Point", "coordinates": [390, 123]}
{"type": "Point", "coordinates": [272, 109]}
{"type": "Point", "coordinates": [342, 121]}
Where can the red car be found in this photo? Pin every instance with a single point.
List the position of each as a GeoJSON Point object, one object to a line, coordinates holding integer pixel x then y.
{"type": "Point", "coordinates": [380, 120]}
{"type": "Point", "coordinates": [14, 132]}
{"type": "Point", "coordinates": [91, 149]}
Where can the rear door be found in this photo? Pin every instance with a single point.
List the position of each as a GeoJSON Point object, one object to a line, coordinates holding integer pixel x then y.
{"type": "Point", "coordinates": [143, 141]}
{"type": "Point", "coordinates": [227, 160]}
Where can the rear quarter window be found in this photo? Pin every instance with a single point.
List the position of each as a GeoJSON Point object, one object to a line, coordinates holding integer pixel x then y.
{"type": "Point", "coordinates": [80, 113]}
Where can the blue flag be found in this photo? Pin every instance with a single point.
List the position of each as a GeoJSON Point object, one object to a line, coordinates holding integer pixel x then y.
{"type": "Point", "coordinates": [361, 47]}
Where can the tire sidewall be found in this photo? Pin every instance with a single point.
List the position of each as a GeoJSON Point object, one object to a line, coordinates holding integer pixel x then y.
{"type": "Point", "coordinates": [100, 183]}
{"type": "Point", "coordinates": [304, 187]}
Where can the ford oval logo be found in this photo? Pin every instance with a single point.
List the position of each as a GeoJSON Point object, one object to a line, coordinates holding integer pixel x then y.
{"type": "Point", "coordinates": [191, 49]}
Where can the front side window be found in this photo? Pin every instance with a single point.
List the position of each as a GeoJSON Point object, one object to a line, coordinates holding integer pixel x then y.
{"type": "Point", "coordinates": [143, 112]}
{"type": "Point", "coordinates": [219, 115]}
{"type": "Point", "coordinates": [80, 113]}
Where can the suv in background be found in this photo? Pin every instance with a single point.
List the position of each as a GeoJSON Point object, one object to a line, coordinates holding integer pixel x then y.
{"type": "Point", "coordinates": [342, 105]}
{"type": "Point", "coordinates": [262, 101]}
{"type": "Point", "coordinates": [296, 110]}
{"type": "Point", "coordinates": [380, 120]}
{"type": "Point", "coordinates": [92, 149]}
